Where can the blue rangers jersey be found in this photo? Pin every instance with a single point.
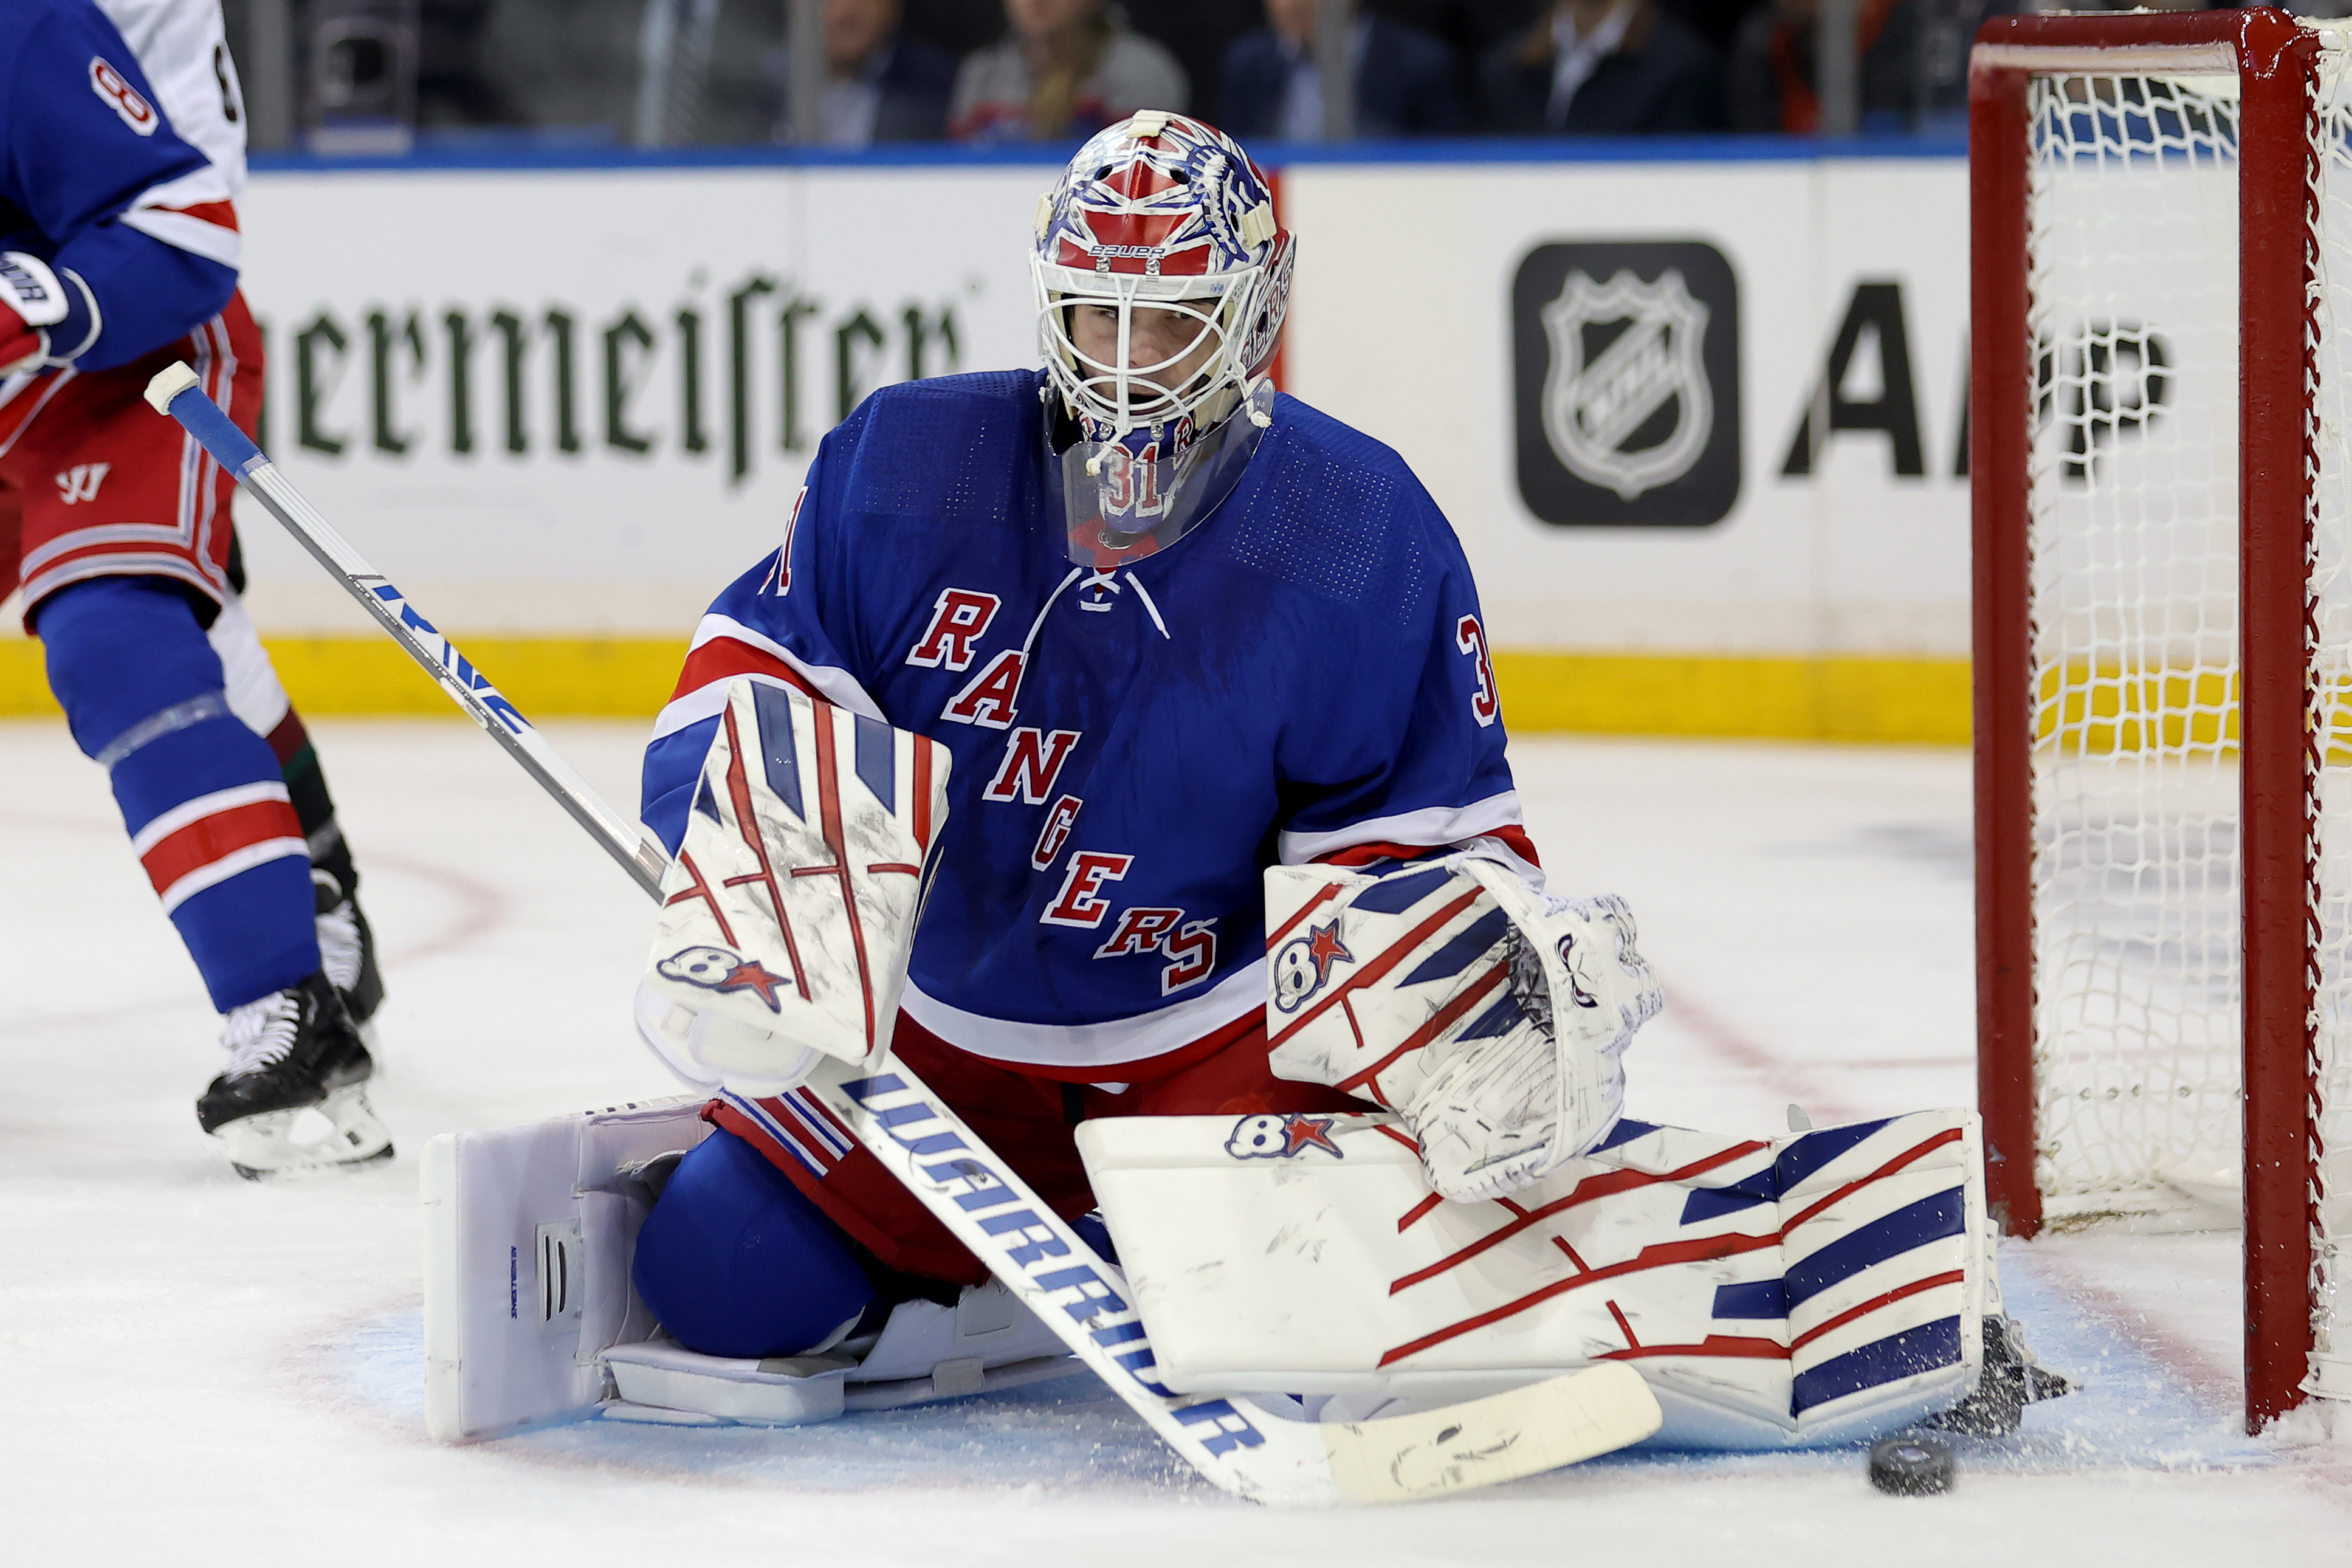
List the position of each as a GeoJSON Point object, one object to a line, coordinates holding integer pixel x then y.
{"type": "Point", "coordinates": [96, 182]}
{"type": "Point", "coordinates": [1302, 675]}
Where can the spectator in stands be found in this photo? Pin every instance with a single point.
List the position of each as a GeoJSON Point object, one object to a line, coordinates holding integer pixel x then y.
{"type": "Point", "coordinates": [1603, 68]}
{"type": "Point", "coordinates": [1198, 32]}
{"type": "Point", "coordinates": [1403, 78]}
{"type": "Point", "coordinates": [564, 64]}
{"type": "Point", "coordinates": [880, 85]}
{"type": "Point", "coordinates": [1067, 69]}
{"type": "Point", "coordinates": [1770, 73]}
{"type": "Point", "coordinates": [451, 88]}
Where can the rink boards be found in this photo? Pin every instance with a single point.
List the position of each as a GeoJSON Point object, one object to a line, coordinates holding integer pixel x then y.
{"type": "Point", "coordinates": [1697, 417]}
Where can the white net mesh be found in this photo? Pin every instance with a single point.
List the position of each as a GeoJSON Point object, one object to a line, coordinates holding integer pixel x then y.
{"type": "Point", "coordinates": [2134, 524]}
{"type": "Point", "coordinates": [2135, 503]}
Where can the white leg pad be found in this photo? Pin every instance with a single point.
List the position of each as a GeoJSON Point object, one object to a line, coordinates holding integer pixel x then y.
{"type": "Point", "coordinates": [528, 1235]}
{"type": "Point", "coordinates": [1802, 1289]}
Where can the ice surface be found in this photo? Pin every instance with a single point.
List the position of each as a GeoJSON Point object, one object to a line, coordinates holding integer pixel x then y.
{"type": "Point", "coordinates": [203, 1370]}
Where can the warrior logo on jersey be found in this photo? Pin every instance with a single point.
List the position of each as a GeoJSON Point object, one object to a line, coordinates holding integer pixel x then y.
{"type": "Point", "coordinates": [1303, 964]}
{"type": "Point", "coordinates": [716, 968]}
{"type": "Point", "coordinates": [1281, 1137]}
{"type": "Point", "coordinates": [122, 97]}
{"type": "Point", "coordinates": [80, 482]}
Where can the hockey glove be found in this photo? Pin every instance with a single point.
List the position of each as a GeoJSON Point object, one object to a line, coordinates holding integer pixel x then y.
{"type": "Point", "coordinates": [788, 915]}
{"type": "Point", "coordinates": [32, 300]}
{"type": "Point", "coordinates": [1490, 1015]}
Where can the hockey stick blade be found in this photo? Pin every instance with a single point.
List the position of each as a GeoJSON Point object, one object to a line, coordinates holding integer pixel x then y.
{"type": "Point", "coordinates": [1506, 1436]}
{"type": "Point", "coordinates": [974, 1192]}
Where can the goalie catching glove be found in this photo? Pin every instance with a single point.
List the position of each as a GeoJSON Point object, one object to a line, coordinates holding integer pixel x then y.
{"type": "Point", "coordinates": [788, 911]}
{"type": "Point", "coordinates": [1492, 1017]}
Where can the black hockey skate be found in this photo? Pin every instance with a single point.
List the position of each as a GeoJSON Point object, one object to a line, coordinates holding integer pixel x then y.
{"type": "Point", "coordinates": [2010, 1380]}
{"type": "Point", "coordinates": [293, 1051]}
{"type": "Point", "coordinates": [347, 950]}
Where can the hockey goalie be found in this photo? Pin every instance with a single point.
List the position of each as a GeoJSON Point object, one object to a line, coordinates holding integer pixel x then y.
{"type": "Point", "coordinates": [1116, 745]}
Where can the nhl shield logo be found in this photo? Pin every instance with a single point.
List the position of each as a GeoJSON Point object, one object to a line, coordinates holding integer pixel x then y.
{"type": "Point", "coordinates": [1595, 406]}
{"type": "Point", "coordinates": [1625, 370]}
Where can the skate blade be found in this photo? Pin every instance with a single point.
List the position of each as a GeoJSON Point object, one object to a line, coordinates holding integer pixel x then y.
{"type": "Point", "coordinates": [279, 1144]}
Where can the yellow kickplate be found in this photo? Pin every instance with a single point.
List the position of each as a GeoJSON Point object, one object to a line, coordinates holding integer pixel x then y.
{"type": "Point", "coordinates": [1525, 1432]}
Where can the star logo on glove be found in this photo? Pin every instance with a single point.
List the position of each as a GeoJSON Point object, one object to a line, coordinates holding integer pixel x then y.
{"type": "Point", "coordinates": [1307, 1132]}
{"type": "Point", "coordinates": [1325, 949]}
{"type": "Point", "coordinates": [1267, 1136]}
{"type": "Point", "coordinates": [716, 968]}
{"type": "Point", "coordinates": [1303, 964]}
{"type": "Point", "coordinates": [750, 975]}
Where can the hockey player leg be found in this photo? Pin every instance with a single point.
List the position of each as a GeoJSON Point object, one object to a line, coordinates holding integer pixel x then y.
{"type": "Point", "coordinates": [668, 1277]}
{"type": "Point", "coordinates": [736, 1263]}
{"type": "Point", "coordinates": [346, 944]}
{"type": "Point", "coordinates": [209, 817]}
{"type": "Point", "coordinates": [771, 1314]}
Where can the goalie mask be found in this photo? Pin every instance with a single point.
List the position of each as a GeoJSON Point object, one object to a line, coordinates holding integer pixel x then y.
{"type": "Point", "coordinates": [1161, 277]}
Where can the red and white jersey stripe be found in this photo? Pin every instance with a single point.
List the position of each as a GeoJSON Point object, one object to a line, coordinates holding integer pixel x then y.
{"type": "Point", "coordinates": [1497, 816]}
{"type": "Point", "coordinates": [724, 648]}
{"type": "Point", "coordinates": [193, 213]}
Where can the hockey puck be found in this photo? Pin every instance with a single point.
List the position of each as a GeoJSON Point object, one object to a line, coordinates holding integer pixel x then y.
{"type": "Point", "coordinates": [1910, 1465]}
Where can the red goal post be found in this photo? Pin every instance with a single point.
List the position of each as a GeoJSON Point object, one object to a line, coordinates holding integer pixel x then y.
{"type": "Point", "coordinates": [2158, 651]}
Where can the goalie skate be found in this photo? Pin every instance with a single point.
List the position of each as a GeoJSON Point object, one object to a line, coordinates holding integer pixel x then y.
{"type": "Point", "coordinates": [293, 1097]}
{"type": "Point", "coordinates": [924, 1350]}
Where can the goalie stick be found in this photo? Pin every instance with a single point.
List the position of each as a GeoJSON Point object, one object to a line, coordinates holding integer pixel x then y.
{"type": "Point", "coordinates": [925, 1145]}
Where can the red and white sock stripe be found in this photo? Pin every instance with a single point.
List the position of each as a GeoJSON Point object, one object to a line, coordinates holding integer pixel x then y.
{"type": "Point", "coordinates": [204, 842]}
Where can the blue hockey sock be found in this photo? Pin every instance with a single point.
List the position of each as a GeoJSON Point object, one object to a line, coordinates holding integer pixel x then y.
{"type": "Point", "coordinates": [202, 794]}
{"type": "Point", "coordinates": [735, 1262]}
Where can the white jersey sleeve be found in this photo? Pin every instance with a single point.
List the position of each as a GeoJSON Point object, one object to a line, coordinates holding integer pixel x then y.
{"type": "Point", "coordinates": [183, 49]}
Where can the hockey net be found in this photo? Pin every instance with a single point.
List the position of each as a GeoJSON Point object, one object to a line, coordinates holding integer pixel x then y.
{"type": "Point", "coordinates": [2130, 990]}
